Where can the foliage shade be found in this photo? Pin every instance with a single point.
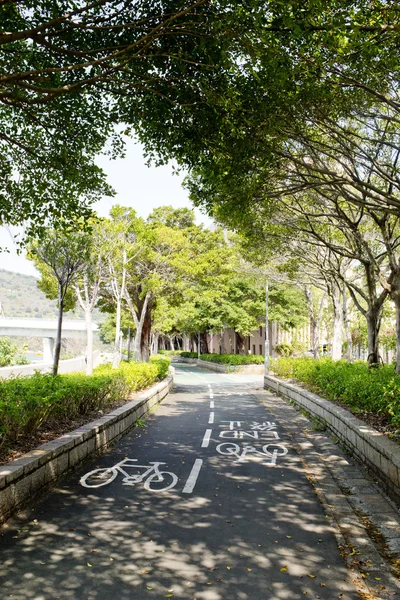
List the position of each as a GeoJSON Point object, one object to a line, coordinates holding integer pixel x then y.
{"type": "Point", "coordinates": [364, 390]}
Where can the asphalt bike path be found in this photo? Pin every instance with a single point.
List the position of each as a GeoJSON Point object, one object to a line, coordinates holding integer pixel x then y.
{"type": "Point", "coordinates": [209, 500]}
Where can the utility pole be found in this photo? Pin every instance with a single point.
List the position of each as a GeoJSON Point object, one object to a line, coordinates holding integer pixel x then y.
{"type": "Point", "coordinates": [266, 345]}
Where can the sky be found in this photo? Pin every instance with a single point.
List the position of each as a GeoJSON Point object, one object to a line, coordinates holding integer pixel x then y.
{"type": "Point", "coordinates": [138, 186]}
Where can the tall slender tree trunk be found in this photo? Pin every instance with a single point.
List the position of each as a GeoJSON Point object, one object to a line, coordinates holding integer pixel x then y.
{"type": "Point", "coordinates": [221, 342]}
{"type": "Point", "coordinates": [315, 320]}
{"type": "Point", "coordinates": [203, 343]}
{"type": "Point", "coordinates": [57, 347]}
{"type": "Point", "coordinates": [395, 297]}
{"type": "Point", "coordinates": [117, 355]}
{"type": "Point", "coordinates": [139, 315]}
{"type": "Point", "coordinates": [137, 341]}
{"type": "Point", "coordinates": [337, 324]}
{"type": "Point", "coordinates": [240, 343]}
{"type": "Point", "coordinates": [145, 337]}
{"type": "Point", "coordinates": [89, 342]}
{"type": "Point", "coordinates": [346, 322]}
{"type": "Point", "coordinates": [154, 342]}
{"type": "Point", "coordinates": [373, 317]}
{"type": "Point", "coordinates": [185, 342]}
{"type": "Point", "coordinates": [397, 308]}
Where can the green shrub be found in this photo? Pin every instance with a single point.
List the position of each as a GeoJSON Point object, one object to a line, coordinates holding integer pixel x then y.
{"type": "Point", "coordinates": [11, 354]}
{"type": "Point", "coordinates": [234, 359]}
{"type": "Point", "coordinates": [228, 359]}
{"type": "Point", "coordinates": [354, 384]}
{"type": "Point", "coordinates": [26, 403]}
{"type": "Point", "coordinates": [284, 349]}
{"type": "Point", "coordinates": [162, 363]}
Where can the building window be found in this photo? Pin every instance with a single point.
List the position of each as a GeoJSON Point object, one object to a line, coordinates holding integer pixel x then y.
{"type": "Point", "coordinates": [254, 348]}
{"type": "Point", "coordinates": [260, 331]}
{"type": "Point", "coordinates": [261, 349]}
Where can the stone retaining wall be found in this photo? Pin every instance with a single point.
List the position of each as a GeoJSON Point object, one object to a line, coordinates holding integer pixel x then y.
{"type": "Point", "coordinates": [221, 367]}
{"type": "Point", "coordinates": [367, 444]}
{"type": "Point", "coordinates": [36, 471]}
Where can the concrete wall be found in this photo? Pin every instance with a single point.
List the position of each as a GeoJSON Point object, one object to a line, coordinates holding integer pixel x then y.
{"type": "Point", "coordinates": [66, 366]}
{"type": "Point", "coordinates": [370, 446]}
{"type": "Point", "coordinates": [32, 474]}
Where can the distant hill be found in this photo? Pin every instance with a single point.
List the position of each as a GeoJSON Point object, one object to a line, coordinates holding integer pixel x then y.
{"type": "Point", "coordinates": [20, 297]}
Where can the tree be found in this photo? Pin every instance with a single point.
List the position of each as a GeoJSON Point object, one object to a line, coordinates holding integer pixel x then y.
{"type": "Point", "coordinates": [73, 71]}
{"type": "Point", "coordinates": [60, 257]}
{"type": "Point", "coordinates": [117, 240]}
{"type": "Point", "coordinates": [88, 283]}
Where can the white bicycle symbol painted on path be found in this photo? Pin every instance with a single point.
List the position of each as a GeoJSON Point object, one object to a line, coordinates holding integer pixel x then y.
{"type": "Point", "coordinates": [232, 449]}
{"type": "Point", "coordinates": [152, 475]}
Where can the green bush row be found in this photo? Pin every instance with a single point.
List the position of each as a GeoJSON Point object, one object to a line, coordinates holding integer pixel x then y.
{"type": "Point", "coordinates": [354, 384]}
{"type": "Point", "coordinates": [228, 359]}
{"type": "Point", "coordinates": [26, 403]}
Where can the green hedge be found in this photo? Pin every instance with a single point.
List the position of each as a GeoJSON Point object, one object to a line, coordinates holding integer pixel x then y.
{"type": "Point", "coordinates": [228, 359]}
{"type": "Point", "coordinates": [26, 403]}
{"type": "Point", "coordinates": [364, 390]}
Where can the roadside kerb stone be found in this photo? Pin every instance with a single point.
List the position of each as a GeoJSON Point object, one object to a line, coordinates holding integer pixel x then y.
{"type": "Point", "coordinates": [343, 489]}
{"type": "Point", "coordinates": [23, 479]}
{"type": "Point", "coordinates": [371, 447]}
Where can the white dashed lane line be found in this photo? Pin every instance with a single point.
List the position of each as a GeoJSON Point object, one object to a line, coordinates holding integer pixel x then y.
{"type": "Point", "coordinates": [206, 438]}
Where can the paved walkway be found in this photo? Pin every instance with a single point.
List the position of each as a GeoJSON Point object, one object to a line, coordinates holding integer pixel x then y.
{"type": "Point", "coordinates": [239, 519]}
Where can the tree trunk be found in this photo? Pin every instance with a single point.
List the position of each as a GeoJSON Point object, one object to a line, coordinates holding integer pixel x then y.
{"type": "Point", "coordinates": [137, 355]}
{"type": "Point", "coordinates": [346, 322]}
{"type": "Point", "coordinates": [139, 315]}
{"type": "Point", "coordinates": [57, 348]}
{"type": "Point", "coordinates": [117, 355]}
{"type": "Point", "coordinates": [221, 342]}
{"type": "Point", "coordinates": [315, 320]}
{"type": "Point", "coordinates": [240, 343]}
{"type": "Point", "coordinates": [337, 324]}
{"type": "Point", "coordinates": [154, 343]}
{"type": "Point", "coordinates": [315, 338]}
{"type": "Point", "coordinates": [373, 317]}
{"type": "Point", "coordinates": [172, 341]}
{"type": "Point", "coordinates": [397, 305]}
{"type": "Point", "coordinates": [185, 342]}
{"type": "Point", "coordinates": [193, 343]}
{"type": "Point", "coordinates": [395, 297]}
{"type": "Point", "coordinates": [89, 345]}
{"type": "Point", "coordinates": [145, 337]}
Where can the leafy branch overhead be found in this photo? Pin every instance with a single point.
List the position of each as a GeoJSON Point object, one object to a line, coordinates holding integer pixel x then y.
{"type": "Point", "coordinates": [193, 80]}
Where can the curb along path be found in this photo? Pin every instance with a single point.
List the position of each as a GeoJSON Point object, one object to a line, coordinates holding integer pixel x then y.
{"type": "Point", "coordinates": [209, 501]}
{"type": "Point", "coordinates": [366, 522]}
{"type": "Point", "coordinates": [33, 473]}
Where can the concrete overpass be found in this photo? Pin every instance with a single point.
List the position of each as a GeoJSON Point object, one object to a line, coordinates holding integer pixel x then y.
{"type": "Point", "coordinates": [44, 328]}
